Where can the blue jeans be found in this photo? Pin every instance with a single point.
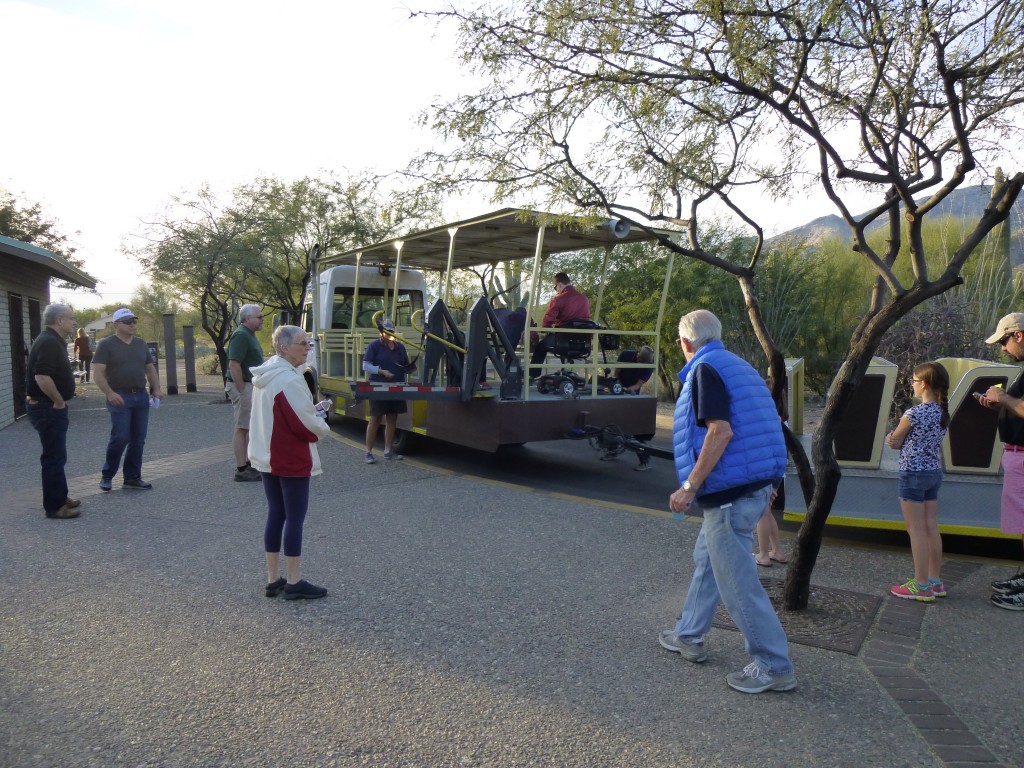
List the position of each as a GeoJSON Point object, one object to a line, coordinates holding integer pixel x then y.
{"type": "Point", "coordinates": [725, 570]}
{"type": "Point", "coordinates": [52, 425]}
{"type": "Point", "coordinates": [128, 426]}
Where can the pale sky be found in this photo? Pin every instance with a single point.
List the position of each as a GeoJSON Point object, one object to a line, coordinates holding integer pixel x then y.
{"type": "Point", "coordinates": [114, 106]}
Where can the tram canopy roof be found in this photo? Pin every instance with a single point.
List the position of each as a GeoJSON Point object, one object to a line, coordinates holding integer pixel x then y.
{"type": "Point", "coordinates": [508, 234]}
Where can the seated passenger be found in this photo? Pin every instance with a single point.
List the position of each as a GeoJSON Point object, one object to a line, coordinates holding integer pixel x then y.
{"type": "Point", "coordinates": [566, 305]}
{"type": "Point", "coordinates": [513, 323]}
{"type": "Point", "coordinates": [633, 379]}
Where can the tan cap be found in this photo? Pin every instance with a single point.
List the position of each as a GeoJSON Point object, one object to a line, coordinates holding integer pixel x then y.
{"type": "Point", "coordinates": [1011, 323]}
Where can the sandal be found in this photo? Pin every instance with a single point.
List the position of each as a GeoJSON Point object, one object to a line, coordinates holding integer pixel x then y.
{"type": "Point", "coordinates": [777, 558]}
{"type": "Point", "coordinates": [761, 562]}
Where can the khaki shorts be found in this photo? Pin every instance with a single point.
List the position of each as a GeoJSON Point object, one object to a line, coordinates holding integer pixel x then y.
{"type": "Point", "coordinates": [241, 404]}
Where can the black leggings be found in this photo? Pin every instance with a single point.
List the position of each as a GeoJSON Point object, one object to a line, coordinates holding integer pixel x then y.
{"type": "Point", "coordinates": [287, 500]}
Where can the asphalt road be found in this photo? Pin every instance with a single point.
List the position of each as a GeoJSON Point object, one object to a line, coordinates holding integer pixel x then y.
{"type": "Point", "coordinates": [562, 466]}
{"type": "Point", "coordinates": [574, 468]}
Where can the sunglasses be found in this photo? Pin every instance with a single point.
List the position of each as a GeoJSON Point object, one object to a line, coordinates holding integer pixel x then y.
{"type": "Point", "coordinates": [133, 321]}
{"type": "Point", "coordinates": [1006, 338]}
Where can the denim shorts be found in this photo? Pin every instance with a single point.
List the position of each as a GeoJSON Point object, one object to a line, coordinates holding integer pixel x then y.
{"type": "Point", "coordinates": [920, 486]}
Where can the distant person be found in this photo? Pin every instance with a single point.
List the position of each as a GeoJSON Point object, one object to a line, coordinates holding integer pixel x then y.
{"type": "Point", "coordinates": [385, 360]}
{"type": "Point", "coordinates": [244, 354]}
{"type": "Point", "coordinates": [729, 451]}
{"type": "Point", "coordinates": [283, 433]}
{"type": "Point", "coordinates": [123, 366]}
{"type": "Point", "coordinates": [566, 305]}
{"type": "Point", "coordinates": [51, 383]}
{"type": "Point", "coordinates": [632, 380]}
{"type": "Point", "coordinates": [769, 544]}
{"type": "Point", "coordinates": [1009, 335]}
{"type": "Point", "coordinates": [918, 436]}
{"type": "Point", "coordinates": [83, 353]}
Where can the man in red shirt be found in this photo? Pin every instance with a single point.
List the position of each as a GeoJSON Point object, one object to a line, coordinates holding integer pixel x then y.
{"type": "Point", "coordinates": [566, 305]}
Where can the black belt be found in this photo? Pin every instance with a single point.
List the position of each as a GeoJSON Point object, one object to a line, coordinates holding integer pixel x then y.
{"type": "Point", "coordinates": [129, 390]}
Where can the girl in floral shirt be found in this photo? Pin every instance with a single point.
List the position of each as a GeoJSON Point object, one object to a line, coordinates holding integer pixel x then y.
{"type": "Point", "coordinates": [919, 438]}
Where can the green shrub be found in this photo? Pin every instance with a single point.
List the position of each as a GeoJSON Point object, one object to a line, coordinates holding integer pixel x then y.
{"type": "Point", "coordinates": [208, 365]}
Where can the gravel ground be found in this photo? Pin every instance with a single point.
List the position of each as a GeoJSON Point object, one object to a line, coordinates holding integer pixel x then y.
{"type": "Point", "coordinates": [468, 624]}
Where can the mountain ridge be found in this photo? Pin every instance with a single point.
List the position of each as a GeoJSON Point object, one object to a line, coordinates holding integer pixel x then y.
{"type": "Point", "coordinates": [967, 203]}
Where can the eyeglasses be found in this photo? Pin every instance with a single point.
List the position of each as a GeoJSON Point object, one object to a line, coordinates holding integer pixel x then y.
{"type": "Point", "coordinates": [258, 317]}
{"type": "Point", "coordinates": [1003, 341]}
{"type": "Point", "coordinates": [133, 321]}
{"type": "Point", "coordinates": [306, 343]}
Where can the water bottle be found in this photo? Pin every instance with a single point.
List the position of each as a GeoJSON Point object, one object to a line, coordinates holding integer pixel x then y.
{"type": "Point", "coordinates": [154, 402]}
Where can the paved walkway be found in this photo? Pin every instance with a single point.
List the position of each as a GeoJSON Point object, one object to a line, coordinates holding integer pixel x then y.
{"type": "Point", "coordinates": [468, 624]}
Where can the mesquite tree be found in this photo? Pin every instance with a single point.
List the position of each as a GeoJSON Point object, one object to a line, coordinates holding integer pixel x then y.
{"type": "Point", "coordinates": [661, 112]}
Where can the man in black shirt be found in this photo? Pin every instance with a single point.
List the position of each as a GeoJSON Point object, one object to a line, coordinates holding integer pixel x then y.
{"type": "Point", "coordinates": [122, 367]}
{"type": "Point", "coordinates": [51, 384]}
{"type": "Point", "coordinates": [633, 379]}
{"type": "Point", "coordinates": [1009, 335]}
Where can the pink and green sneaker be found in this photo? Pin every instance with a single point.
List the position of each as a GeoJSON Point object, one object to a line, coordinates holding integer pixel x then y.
{"type": "Point", "coordinates": [911, 590]}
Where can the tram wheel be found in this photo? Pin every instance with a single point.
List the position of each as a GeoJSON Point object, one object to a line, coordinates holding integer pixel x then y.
{"type": "Point", "coordinates": [404, 441]}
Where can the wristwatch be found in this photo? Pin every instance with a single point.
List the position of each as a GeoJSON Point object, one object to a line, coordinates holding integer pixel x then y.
{"type": "Point", "coordinates": [687, 486]}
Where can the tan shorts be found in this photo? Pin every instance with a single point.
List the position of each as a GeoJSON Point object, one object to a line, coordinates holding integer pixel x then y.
{"type": "Point", "coordinates": [241, 404]}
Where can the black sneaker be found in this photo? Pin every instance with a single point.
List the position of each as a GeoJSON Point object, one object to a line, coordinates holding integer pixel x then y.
{"type": "Point", "coordinates": [303, 591]}
{"type": "Point", "coordinates": [1010, 602]}
{"type": "Point", "coordinates": [137, 483]}
{"type": "Point", "coordinates": [105, 484]}
{"type": "Point", "coordinates": [247, 475]}
{"type": "Point", "coordinates": [1011, 586]}
{"type": "Point", "coordinates": [274, 587]}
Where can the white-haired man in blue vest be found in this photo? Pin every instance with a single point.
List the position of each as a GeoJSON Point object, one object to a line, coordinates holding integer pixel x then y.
{"type": "Point", "coordinates": [729, 452]}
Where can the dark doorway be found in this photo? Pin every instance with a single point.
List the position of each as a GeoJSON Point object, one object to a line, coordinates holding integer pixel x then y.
{"type": "Point", "coordinates": [35, 319]}
{"type": "Point", "coordinates": [19, 353]}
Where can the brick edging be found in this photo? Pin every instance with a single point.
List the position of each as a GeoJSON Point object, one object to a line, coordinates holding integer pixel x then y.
{"type": "Point", "coordinates": [889, 655]}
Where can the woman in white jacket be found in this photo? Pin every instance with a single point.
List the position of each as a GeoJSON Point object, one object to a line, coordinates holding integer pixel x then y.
{"type": "Point", "coordinates": [283, 432]}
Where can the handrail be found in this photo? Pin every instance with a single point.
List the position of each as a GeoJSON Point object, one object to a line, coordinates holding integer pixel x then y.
{"type": "Point", "coordinates": [425, 334]}
{"type": "Point", "coordinates": [593, 366]}
{"type": "Point", "coordinates": [374, 319]}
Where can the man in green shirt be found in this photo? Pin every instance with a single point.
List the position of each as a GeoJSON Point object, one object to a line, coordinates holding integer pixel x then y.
{"type": "Point", "coordinates": [244, 353]}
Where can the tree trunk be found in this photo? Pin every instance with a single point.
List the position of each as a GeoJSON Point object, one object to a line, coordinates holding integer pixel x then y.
{"type": "Point", "coordinates": [827, 475]}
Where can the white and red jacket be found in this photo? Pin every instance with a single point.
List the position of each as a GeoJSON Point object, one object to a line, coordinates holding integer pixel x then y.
{"type": "Point", "coordinates": [284, 428]}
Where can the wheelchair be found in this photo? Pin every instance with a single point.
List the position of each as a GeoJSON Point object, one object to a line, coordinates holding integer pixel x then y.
{"type": "Point", "coordinates": [570, 348]}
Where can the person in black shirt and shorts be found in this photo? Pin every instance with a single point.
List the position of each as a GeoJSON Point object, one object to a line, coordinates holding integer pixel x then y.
{"type": "Point", "coordinates": [385, 360]}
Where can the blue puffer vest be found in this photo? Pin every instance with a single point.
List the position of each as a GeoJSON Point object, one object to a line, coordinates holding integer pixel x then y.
{"type": "Point", "coordinates": [757, 450]}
